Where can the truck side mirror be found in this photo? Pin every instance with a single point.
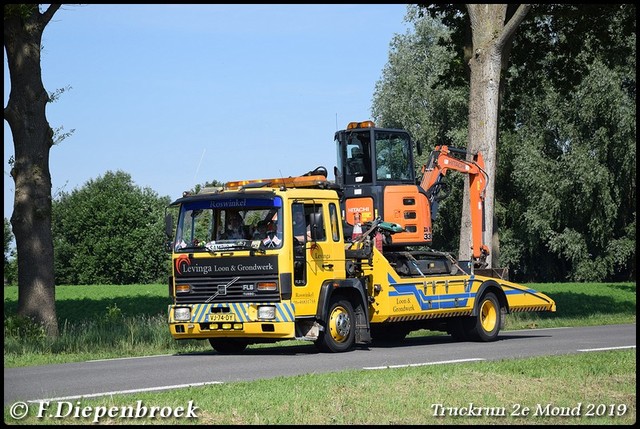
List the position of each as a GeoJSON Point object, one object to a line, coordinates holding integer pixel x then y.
{"type": "Point", "coordinates": [168, 225]}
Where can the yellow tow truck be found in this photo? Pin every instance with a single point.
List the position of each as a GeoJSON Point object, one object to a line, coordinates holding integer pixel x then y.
{"type": "Point", "coordinates": [274, 277]}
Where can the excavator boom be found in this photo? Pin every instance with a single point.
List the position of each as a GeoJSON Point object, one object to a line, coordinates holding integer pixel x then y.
{"type": "Point", "coordinates": [445, 158]}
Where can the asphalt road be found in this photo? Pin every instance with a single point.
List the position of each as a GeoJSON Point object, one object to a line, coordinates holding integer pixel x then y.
{"type": "Point", "coordinates": [98, 378]}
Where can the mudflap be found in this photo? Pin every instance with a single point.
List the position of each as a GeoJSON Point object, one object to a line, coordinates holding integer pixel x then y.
{"type": "Point", "coordinates": [363, 330]}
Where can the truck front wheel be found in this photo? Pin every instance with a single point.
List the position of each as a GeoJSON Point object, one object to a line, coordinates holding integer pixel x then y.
{"type": "Point", "coordinates": [339, 333]}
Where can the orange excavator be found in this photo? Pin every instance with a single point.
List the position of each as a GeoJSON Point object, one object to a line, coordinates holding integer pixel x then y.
{"type": "Point", "coordinates": [375, 170]}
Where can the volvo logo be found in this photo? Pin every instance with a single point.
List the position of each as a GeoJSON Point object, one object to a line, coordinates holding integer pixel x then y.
{"type": "Point", "coordinates": [222, 289]}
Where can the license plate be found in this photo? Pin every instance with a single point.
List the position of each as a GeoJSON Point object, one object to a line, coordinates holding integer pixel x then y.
{"type": "Point", "coordinates": [222, 317]}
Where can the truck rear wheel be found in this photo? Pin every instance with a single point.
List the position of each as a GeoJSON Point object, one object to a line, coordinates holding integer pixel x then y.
{"type": "Point", "coordinates": [487, 323]}
{"type": "Point", "coordinates": [388, 334]}
{"type": "Point", "coordinates": [227, 346]}
{"type": "Point", "coordinates": [457, 327]}
{"type": "Point", "coordinates": [483, 327]}
{"type": "Point", "coordinates": [339, 333]}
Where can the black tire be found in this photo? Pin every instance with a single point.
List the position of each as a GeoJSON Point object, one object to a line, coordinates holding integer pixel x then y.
{"type": "Point", "coordinates": [458, 328]}
{"type": "Point", "coordinates": [339, 333]}
{"type": "Point", "coordinates": [228, 346]}
{"type": "Point", "coordinates": [486, 325]}
{"type": "Point", "coordinates": [388, 334]}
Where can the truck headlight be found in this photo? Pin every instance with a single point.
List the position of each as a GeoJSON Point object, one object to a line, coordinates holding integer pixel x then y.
{"type": "Point", "coordinates": [267, 312]}
{"type": "Point", "coordinates": [182, 314]}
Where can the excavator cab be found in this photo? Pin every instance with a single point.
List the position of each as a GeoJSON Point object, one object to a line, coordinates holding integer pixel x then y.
{"type": "Point", "coordinates": [375, 170]}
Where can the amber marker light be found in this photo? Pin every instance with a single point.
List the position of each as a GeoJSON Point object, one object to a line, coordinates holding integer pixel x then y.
{"type": "Point", "coordinates": [363, 124]}
{"type": "Point", "coordinates": [183, 288]}
{"type": "Point", "coordinates": [267, 286]}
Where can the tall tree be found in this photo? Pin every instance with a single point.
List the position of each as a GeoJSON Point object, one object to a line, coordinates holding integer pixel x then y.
{"type": "Point", "coordinates": [493, 27]}
{"type": "Point", "coordinates": [568, 145]}
{"type": "Point", "coordinates": [24, 25]}
{"type": "Point", "coordinates": [565, 181]}
{"type": "Point", "coordinates": [488, 35]}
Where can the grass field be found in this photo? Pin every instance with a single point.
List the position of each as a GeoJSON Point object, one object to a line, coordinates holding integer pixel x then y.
{"type": "Point", "coordinates": [107, 321]}
{"type": "Point", "coordinates": [115, 321]}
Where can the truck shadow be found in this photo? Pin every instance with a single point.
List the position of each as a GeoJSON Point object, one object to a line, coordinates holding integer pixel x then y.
{"type": "Point", "coordinates": [271, 350]}
{"type": "Point", "coordinates": [443, 339]}
{"type": "Point", "coordinates": [282, 349]}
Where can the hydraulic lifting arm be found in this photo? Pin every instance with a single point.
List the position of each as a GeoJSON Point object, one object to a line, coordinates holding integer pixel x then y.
{"type": "Point", "coordinates": [444, 158]}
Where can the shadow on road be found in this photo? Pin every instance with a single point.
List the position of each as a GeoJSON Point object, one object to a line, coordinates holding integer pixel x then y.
{"type": "Point", "coordinates": [284, 349]}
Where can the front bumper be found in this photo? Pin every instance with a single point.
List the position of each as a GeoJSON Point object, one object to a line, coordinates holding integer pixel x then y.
{"type": "Point", "coordinates": [233, 320]}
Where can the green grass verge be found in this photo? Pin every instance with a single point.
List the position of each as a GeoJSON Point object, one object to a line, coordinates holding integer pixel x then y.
{"type": "Point", "coordinates": [588, 388]}
{"type": "Point", "coordinates": [115, 321]}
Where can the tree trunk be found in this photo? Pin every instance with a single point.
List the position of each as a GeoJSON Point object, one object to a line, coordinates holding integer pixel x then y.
{"type": "Point", "coordinates": [491, 40]}
{"type": "Point", "coordinates": [33, 138]}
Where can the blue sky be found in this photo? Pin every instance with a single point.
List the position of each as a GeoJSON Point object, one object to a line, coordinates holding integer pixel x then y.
{"type": "Point", "coordinates": [176, 95]}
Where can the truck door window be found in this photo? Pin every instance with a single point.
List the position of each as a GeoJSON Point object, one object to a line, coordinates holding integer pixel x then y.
{"type": "Point", "coordinates": [299, 223]}
{"type": "Point", "coordinates": [305, 217]}
{"type": "Point", "coordinates": [333, 215]}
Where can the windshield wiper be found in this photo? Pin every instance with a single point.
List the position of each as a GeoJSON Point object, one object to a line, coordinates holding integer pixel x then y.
{"type": "Point", "coordinates": [240, 244]}
{"type": "Point", "coordinates": [225, 245]}
{"type": "Point", "coordinates": [188, 248]}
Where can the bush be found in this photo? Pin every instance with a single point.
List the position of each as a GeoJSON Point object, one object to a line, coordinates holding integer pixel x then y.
{"type": "Point", "coordinates": [110, 232]}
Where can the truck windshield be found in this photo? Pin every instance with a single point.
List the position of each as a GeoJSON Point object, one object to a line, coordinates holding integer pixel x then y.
{"type": "Point", "coordinates": [229, 224]}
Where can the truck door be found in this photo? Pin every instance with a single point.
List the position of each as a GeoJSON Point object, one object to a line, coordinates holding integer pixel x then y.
{"type": "Point", "coordinates": [316, 251]}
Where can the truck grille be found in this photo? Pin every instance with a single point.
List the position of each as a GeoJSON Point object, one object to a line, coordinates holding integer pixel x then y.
{"type": "Point", "coordinates": [226, 289]}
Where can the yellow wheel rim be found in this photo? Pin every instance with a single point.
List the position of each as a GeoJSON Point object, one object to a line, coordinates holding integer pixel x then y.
{"type": "Point", "coordinates": [339, 324]}
{"type": "Point", "coordinates": [488, 316]}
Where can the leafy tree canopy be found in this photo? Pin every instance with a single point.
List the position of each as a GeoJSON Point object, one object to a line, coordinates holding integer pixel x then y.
{"type": "Point", "coordinates": [110, 232]}
{"type": "Point", "coordinates": [565, 185]}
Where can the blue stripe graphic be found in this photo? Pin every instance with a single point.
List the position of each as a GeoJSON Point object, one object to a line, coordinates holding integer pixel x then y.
{"type": "Point", "coordinates": [442, 301]}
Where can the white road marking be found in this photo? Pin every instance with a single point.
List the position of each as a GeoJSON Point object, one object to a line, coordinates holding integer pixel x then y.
{"type": "Point", "coordinates": [424, 364]}
{"type": "Point", "coordinates": [119, 392]}
{"type": "Point", "coordinates": [606, 348]}
{"type": "Point", "coordinates": [130, 357]}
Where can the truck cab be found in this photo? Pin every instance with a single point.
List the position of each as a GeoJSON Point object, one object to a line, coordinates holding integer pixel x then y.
{"type": "Point", "coordinates": [259, 286]}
